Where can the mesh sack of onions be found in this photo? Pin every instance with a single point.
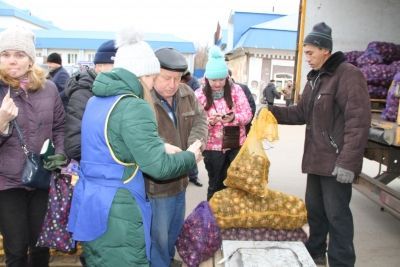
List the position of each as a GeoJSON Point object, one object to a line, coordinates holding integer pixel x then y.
{"type": "Point", "coordinates": [263, 234]}
{"type": "Point", "coordinates": [352, 56]}
{"type": "Point", "coordinates": [200, 236]}
{"type": "Point", "coordinates": [249, 170]}
{"type": "Point", "coordinates": [378, 92]}
{"type": "Point", "coordinates": [396, 65]}
{"type": "Point", "coordinates": [237, 208]}
{"type": "Point", "coordinates": [369, 58]}
{"type": "Point", "coordinates": [380, 75]}
{"type": "Point", "coordinates": [392, 100]}
{"type": "Point", "coordinates": [389, 51]}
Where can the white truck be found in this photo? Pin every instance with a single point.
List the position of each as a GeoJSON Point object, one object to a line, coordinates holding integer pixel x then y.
{"type": "Point", "coordinates": [355, 23]}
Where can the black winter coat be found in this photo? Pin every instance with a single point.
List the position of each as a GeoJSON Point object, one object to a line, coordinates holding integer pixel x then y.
{"type": "Point", "coordinates": [78, 90]}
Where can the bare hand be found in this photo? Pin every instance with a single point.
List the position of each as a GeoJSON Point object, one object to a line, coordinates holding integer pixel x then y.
{"type": "Point", "coordinates": [171, 149]}
{"type": "Point", "coordinates": [8, 110]}
{"type": "Point", "coordinates": [228, 117]}
{"type": "Point", "coordinates": [195, 148]}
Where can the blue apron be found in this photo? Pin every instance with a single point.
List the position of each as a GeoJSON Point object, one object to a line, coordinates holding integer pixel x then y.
{"type": "Point", "coordinates": [101, 176]}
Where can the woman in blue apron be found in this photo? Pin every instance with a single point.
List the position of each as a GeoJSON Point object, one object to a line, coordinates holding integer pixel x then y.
{"type": "Point", "coordinates": [110, 214]}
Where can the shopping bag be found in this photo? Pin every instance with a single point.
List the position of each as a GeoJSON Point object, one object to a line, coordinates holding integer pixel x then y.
{"type": "Point", "coordinates": [54, 232]}
{"type": "Point", "coordinates": [200, 236]}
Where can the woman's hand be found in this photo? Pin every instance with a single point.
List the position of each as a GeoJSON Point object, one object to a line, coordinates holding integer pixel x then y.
{"type": "Point", "coordinates": [228, 117]}
{"type": "Point", "coordinates": [171, 149]}
{"type": "Point", "coordinates": [213, 119]}
{"type": "Point", "coordinates": [8, 111]}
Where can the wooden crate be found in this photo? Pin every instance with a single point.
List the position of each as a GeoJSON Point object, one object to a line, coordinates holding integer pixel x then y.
{"type": "Point", "coordinates": [377, 105]}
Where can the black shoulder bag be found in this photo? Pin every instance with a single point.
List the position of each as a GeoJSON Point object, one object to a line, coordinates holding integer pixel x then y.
{"type": "Point", "coordinates": [33, 174]}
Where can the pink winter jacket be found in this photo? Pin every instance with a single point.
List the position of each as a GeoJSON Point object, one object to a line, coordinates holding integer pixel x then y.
{"type": "Point", "coordinates": [242, 111]}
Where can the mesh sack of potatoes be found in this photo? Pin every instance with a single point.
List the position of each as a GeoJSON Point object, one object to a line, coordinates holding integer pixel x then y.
{"type": "Point", "coordinates": [249, 170]}
{"type": "Point", "coordinates": [237, 208]}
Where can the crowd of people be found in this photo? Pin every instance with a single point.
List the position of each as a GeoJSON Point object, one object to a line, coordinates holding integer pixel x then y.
{"type": "Point", "coordinates": [152, 122]}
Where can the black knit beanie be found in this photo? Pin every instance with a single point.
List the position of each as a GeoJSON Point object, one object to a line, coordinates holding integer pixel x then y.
{"type": "Point", "coordinates": [54, 58]}
{"type": "Point", "coordinates": [320, 36]}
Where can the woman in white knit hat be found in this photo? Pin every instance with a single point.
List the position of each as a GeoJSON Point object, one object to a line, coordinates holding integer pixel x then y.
{"type": "Point", "coordinates": [110, 213]}
{"type": "Point", "coordinates": [34, 103]}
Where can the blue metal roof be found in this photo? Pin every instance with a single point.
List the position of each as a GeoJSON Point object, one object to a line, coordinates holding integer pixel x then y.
{"type": "Point", "coordinates": [92, 40]}
{"type": "Point", "coordinates": [265, 38]}
{"type": "Point", "coordinates": [11, 11]}
{"type": "Point", "coordinates": [242, 21]}
{"type": "Point", "coordinates": [280, 33]}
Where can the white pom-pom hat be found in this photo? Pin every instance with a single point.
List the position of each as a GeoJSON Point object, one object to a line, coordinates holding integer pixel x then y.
{"type": "Point", "coordinates": [134, 54]}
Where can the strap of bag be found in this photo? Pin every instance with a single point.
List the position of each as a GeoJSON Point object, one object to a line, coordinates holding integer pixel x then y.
{"type": "Point", "coordinates": [20, 136]}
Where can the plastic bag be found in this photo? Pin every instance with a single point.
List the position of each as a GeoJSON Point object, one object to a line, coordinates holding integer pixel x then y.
{"type": "Point", "coordinates": [392, 100]}
{"type": "Point", "coordinates": [200, 236]}
{"type": "Point", "coordinates": [237, 208]}
{"type": "Point", "coordinates": [249, 170]}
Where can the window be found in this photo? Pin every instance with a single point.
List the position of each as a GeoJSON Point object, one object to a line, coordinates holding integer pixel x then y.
{"type": "Point", "coordinates": [72, 58]}
{"type": "Point", "coordinates": [281, 80]}
{"type": "Point", "coordinates": [91, 57]}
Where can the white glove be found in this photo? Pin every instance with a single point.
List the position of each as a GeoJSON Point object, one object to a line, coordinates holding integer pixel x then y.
{"type": "Point", "coordinates": [343, 175]}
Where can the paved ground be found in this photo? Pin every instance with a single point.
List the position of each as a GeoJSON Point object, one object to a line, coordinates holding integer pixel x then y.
{"type": "Point", "coordinates": [377, 233]}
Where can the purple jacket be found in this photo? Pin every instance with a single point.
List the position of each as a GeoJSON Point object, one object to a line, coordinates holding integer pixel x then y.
{"type": "Point", "coordinates": [40, 116]}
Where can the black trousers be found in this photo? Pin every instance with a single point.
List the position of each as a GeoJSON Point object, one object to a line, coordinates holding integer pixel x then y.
{"type": "Point", "coordinates": [328, 212]}
{"type": "Point", "coordinates": [21, 217]}
{"type": "Point", "coordinates": [217, 164]}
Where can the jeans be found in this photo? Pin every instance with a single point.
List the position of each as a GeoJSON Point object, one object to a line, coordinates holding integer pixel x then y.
{"type": "Point", "coordinates": [217, 164]}
{"type": "Point", "coordinates": [328, 212]}
{"type": "Point", "coordinates": [21, 217]}
{"type": "Point", "coordinates": [167, 221]}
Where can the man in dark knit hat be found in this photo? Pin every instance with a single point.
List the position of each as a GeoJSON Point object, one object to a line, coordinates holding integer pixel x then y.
{"type": "Point", "coordinates": [181, 121]}
{"type": "Point", "coordinates": [58, 74]}
{"type": "Point", "coordinates": [78, 91]}
{"type": "Point", "coordinates": [336, 110]}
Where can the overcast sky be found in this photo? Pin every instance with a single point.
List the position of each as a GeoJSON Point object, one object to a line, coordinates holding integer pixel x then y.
{"type": "Point", "coordinates": [193, 20]}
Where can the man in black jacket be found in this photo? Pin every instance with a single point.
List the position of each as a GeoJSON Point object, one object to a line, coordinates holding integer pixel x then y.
{"type": "Point", "coordinates": [79, 90]}
{"type": "Point", "coordinates": [270, 93]}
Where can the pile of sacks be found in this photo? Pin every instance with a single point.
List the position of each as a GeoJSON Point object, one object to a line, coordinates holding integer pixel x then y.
{"type": "Point", "coordinates": [248, 202]}
{"type": "Point", "coordinates": [380, 65]}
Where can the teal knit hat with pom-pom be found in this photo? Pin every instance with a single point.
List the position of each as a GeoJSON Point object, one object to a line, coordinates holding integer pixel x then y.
{"type": "Point", "coordinates": [216, 67]}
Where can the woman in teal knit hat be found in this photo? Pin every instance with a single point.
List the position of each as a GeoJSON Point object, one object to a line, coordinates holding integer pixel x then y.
{"type": "Point", "coordinates": [226, 105]}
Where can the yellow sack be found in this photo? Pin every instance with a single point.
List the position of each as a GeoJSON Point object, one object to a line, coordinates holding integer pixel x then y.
{"type": "Point", "coordinates": [249, 170]}
{"type": "Point", "coordinates": [236, 208]}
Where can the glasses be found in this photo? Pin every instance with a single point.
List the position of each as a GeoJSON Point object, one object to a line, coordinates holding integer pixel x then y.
{"type": "Point", "coordinates": [17, 55]}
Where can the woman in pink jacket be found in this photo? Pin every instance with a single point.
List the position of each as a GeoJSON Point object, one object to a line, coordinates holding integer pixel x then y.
{"type": "Point", "coordinates": [225, 105]}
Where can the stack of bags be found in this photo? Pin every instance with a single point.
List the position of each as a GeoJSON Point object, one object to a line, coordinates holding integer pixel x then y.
{"type": "Point", "coordinates": [247, 209]}
{"type": "Point", "coordinates": [379, 63]}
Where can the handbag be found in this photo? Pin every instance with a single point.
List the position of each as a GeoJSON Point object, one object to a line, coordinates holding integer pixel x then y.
{"type": "Point", "coordinates": [54, 232]}
{"type": "Point", "coordinates": [231, 137]}
{"type": "Point", "coordinates": [33, 173]}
